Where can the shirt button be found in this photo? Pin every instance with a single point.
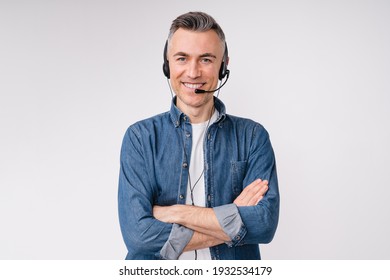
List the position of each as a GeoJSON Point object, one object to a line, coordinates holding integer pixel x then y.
{"type": "Point", "coordinates": [237, 237]}
{"type": "Point", "coordinates": [185, 165]}
{"type": "Point", "coordinates": [188, 134]}
{"type": "Point", "coordinates": [181, 196]}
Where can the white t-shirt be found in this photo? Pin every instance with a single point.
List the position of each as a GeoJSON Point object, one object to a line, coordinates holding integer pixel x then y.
{"type": "Point", "coordinates": [196, 181]}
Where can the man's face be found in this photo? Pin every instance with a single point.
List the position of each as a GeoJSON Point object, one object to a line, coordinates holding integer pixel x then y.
{"type": "Point", "coordinates": [194, 61]}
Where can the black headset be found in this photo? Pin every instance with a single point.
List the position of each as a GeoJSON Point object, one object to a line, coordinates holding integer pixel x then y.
{"type": "Point", "coordinates": [222, 70]}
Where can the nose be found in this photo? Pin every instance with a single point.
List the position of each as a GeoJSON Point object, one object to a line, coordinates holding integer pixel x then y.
{"type": "Point", "coordinates": [194, 70]}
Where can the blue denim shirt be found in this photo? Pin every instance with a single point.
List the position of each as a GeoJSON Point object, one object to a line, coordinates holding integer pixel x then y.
{"type": "Point", "coordinates": [154, 171]}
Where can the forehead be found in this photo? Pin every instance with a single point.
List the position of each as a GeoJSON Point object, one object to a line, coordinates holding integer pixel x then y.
{"type": "Point", "coordinates": [196, 42]}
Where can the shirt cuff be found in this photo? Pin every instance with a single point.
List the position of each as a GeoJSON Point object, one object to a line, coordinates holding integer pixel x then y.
{"type": "Point", "coordinates": [230, 220]}
{"type": "Point", "coordinates": [177, 241]}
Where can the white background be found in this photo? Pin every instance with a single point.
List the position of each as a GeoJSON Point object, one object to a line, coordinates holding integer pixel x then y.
{"type": "Point", "coordinates": [75, 74]}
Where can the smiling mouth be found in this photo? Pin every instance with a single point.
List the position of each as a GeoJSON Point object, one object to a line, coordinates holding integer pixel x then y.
{"type": "Point", "coordinates": [193, 86]}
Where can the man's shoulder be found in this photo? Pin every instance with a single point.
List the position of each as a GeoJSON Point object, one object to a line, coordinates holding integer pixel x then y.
{"type": "Point", "coordinates": [249, 127]}
{"type": "Point", "coordinates": [162, 117]}
{"type": "Point", "coordinates": [149, 124]}
{"type": "Point", "coordinates": [243, 122]}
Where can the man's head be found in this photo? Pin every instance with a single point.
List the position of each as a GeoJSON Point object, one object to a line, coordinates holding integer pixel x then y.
{"type": "Point", "coordinates": [194, 57]}
{"type": "Point", "coordinates": [198, 22]}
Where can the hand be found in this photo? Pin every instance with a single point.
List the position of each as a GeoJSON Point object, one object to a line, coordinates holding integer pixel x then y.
{"type": "Point", "coordinates": [252, 194]}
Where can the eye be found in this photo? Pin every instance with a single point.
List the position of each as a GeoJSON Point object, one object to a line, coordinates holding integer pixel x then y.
{"type": "Point", "coordinates": [181, 59]}
{"type": "Point", "coordinates": [206, 60]}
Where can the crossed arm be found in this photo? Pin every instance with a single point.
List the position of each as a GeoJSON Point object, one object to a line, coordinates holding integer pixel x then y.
{"type": "Point", "coordinates": [203, 221]}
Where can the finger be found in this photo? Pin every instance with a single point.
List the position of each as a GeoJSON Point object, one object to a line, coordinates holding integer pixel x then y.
{"type": "Point", "coordinates": [261, 187]}
{"type": "Point", "coordinates": [261, 197]}
{"type": "Point", "coordinates": [251, 194]}
{"type": "Point", "coordinates": [253, 198]}
{"type": "Point", "coordinates": [245, 196]}
{"type": "Point", "coordinates": [263, 192]}
{"type": "Point", "coordinates": [249, 197]}
{"type": "Point", "coordinates": [252, 186]}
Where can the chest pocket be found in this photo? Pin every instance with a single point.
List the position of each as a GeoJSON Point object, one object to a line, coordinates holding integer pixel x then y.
{"type": "Point", "coordinates": [237, 170]}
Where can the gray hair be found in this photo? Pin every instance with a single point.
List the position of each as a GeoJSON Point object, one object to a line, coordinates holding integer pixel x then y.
{"type": "Point", "coordinates": [196, 21]}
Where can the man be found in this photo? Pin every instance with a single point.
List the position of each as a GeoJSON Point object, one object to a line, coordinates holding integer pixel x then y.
{"type": "Point", "coordinates": [195, 182]}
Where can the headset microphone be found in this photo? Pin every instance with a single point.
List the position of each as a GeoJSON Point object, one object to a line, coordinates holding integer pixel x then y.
{"type": "Point", "coordinates": [199, 91]}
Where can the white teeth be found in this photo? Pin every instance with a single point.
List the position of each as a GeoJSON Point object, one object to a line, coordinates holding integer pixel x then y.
{"type": "Point", "coordinates": [193, 86]}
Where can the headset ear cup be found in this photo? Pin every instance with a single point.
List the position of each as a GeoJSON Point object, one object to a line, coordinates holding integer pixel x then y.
{"type": "Point", "coordinates": [223, 70]}
{"type": "Point", "coordinates": [166, 62]}
{"type": "Point", "coordinates": [166, 70]}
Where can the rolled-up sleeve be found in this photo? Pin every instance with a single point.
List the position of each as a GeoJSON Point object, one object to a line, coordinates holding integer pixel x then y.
{"type": "Point", "coordinates": [230, 221]}
{"type": "Point", "coordinates": [177, 241]}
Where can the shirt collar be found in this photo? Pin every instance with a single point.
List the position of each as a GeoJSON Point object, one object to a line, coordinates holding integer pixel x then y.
{"type": "Point", "coordinates": [177, 116]}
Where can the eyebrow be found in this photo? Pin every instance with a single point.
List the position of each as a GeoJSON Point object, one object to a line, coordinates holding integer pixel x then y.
{"type": "Point", "coordinates": [203, 55]}
{"type": "Point", "coordinates": [208, 55]}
